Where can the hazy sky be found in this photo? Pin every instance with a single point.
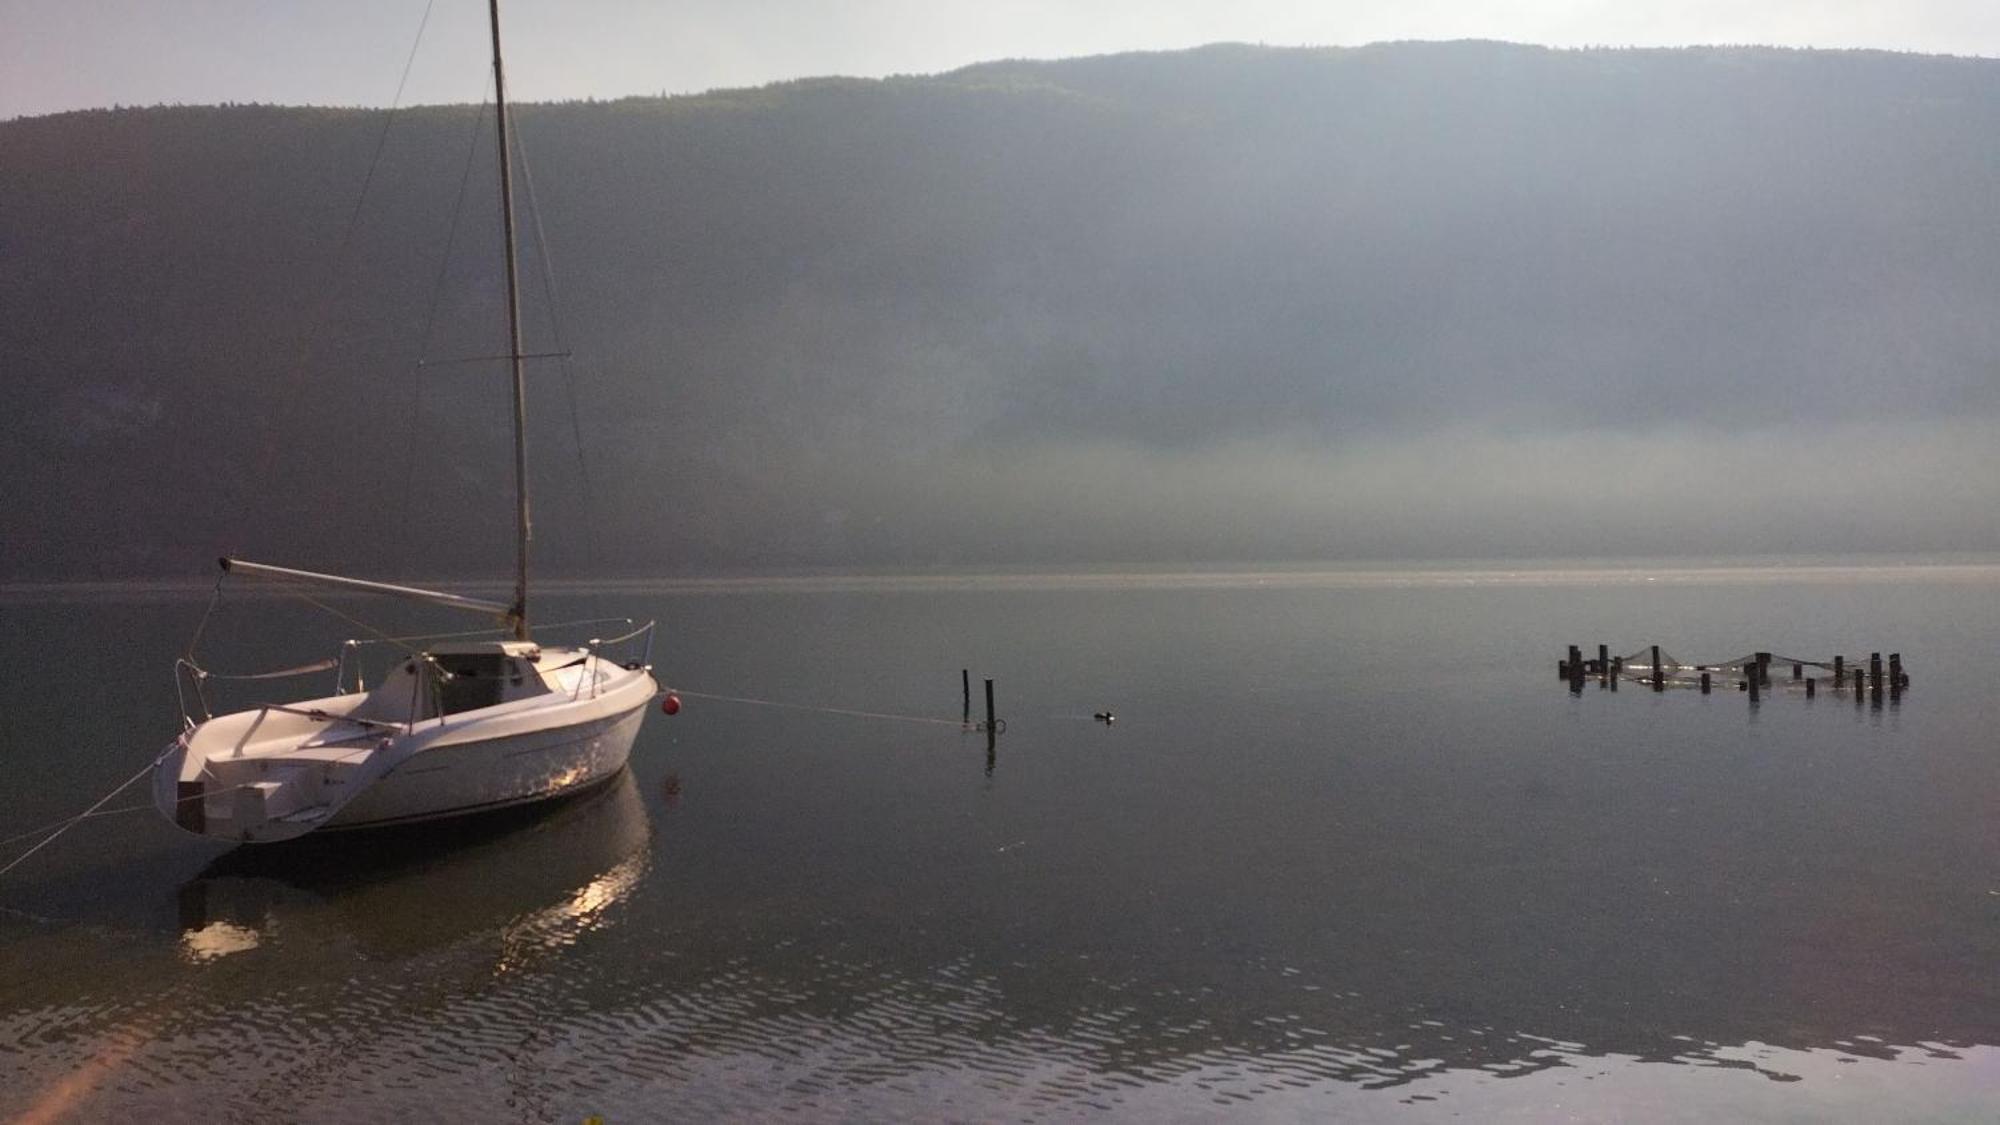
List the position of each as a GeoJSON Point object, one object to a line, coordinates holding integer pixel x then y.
{"type": "Point", "coordinates": [70, 54]}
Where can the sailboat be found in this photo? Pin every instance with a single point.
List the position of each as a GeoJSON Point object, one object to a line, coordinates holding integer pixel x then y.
{"type": "Point", "coordinates": [456, 727]}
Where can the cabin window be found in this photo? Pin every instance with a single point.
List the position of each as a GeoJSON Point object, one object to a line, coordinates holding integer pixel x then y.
{"type": "Point", "coordinates": [477, 679]}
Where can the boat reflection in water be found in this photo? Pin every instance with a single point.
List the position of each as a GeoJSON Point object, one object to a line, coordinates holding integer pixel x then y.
{"type": "Point", "coordinates": [538, 876]}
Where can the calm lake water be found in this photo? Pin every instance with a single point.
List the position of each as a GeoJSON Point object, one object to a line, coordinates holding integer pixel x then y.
{"type": "Point", "coordinates": [1349, 850]}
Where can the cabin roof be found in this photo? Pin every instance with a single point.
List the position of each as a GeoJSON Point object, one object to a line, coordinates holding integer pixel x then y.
{"type": "Point", "coordinates": [528, 650]}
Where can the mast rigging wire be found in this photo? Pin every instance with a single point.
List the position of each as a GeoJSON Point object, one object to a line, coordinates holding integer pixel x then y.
{"type": "Point", "coordinates": [548, 278]}
{"type": "Point", "coordinates": [430, 322]}
{"type": "Point", "coordinates": [317, 325]}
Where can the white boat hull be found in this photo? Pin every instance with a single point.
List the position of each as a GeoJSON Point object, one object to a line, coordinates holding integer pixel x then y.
{"type": "Point", "coordinates": [276, 773]}
{"type": "Point", "coordinates": [472, 777]}
{"type": "Point", "coordinates": [463, 726]}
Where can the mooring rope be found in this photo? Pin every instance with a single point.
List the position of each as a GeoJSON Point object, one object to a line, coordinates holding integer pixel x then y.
{"type": "Point", "coordinates": [85, 814]}
{"type": "Point", "coordinates": [71, 820]}
{"type": "Point", "coordinates": [98, 810]}
{"type": "Point", "coordinates": [851, 713]}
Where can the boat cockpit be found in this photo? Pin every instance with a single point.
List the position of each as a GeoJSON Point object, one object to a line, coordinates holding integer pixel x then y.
{"type": "Point", "coordinates": [455, 678]}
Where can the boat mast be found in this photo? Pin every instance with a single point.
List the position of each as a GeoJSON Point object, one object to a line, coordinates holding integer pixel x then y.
{"type": "Point", "coordinates": [518, 613]}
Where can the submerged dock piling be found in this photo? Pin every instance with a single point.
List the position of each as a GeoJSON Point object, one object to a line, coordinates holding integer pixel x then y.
{"type": "Point", "coordinates": [992, 731]}
{"type": "Point", "coordinates": [1749, 674]}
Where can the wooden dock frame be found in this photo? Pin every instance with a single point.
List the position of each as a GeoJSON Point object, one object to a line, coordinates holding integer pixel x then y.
{"type": "Point", "coordinates": [1878, 678]}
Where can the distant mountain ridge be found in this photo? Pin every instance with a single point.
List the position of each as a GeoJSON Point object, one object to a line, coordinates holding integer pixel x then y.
{"type": "Point", "coordinates": [1227, 303]}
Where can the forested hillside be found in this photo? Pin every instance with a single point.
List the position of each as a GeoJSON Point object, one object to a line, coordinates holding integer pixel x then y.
{"type": "Point", "coordinates": [1233, 303]}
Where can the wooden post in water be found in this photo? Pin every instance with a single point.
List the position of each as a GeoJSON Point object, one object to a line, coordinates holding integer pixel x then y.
{"type": "Point", "coordinates": [1875, 673]}
{"type": "Point", "coordinates": [1839, 670]}
{"type": "Point", "coordinates": [1754, 683]}
{"type": "Point", "coordinates": [1617, 671]}
{"type": "Point", "coordinates": [989, 707]}
{"type": "Point", "coordinates": [1704, 681]}
{"type": "Point", "coordinates": [1895, 675]}
{"type": "Point", "coordinates": [965, 683]}
{"type": "Point", "coordinates": [1798, 671]}
{"type": "Point", "coordinates": [1764, 669]}
{"type": "Point", "coordinates": [1811, 683]}
{"type": "Point", "coordinates": [1603, 660]}
{"type": "Point", "coordinates": [1658, 683]}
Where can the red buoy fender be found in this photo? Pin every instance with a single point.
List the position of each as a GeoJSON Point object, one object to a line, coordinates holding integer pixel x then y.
{"type": "Point", "coordinates": [671, 705]}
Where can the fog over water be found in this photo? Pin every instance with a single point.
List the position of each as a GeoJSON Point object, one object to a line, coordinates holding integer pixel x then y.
{"type": "Point", "coordinates": [1463, 491]}
{"type": "Point", "coordinates": [1414, 300]}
